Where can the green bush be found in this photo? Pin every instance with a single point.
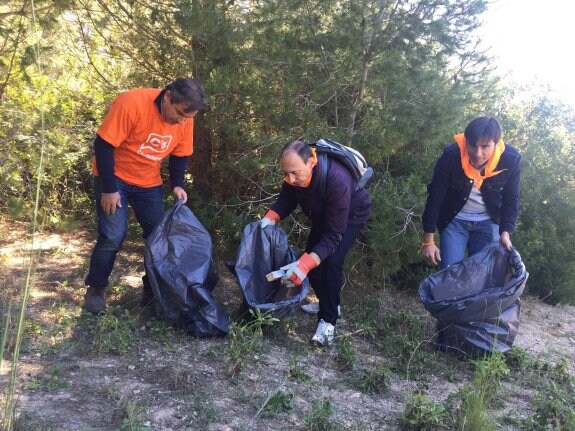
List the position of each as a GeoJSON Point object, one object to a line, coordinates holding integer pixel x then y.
{"type": "Point", "coordinates": [422, 414]}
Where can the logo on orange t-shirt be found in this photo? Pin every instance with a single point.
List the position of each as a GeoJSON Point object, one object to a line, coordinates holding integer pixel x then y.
{"type": "Point", "coordinates": [157, 143]}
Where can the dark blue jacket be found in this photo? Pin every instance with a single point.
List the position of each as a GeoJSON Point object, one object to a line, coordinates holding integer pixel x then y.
{"type": "Point", "coordinates": [450, 188]}
{"type": "Point", "coordinates": [339, 206]}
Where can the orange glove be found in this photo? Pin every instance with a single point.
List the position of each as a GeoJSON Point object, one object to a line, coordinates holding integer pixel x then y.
{"type": "Point", "coordinates": [297, 271]}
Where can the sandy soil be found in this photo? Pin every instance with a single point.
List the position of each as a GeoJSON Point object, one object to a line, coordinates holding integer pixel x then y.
{"type": "Point", "coordinates": [166, 380]}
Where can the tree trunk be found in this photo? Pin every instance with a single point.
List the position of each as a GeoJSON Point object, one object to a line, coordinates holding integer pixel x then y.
{"type": "Point", "coordinates": [201, 160]}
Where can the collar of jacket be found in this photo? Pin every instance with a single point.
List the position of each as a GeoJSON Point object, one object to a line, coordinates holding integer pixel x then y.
{"type": "Point", "coordinates": [490, 166]}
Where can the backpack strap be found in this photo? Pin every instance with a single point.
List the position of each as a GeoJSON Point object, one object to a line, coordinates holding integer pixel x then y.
{"type": "Point", "coordinates": [324, 164]}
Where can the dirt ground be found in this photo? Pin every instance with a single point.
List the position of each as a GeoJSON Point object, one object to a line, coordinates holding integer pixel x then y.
{"type": "Point", "coordinates": [163, 379]}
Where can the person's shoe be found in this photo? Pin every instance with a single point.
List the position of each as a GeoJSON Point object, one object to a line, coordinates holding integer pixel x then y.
{"type": "Point", "coordinates": [95, 300]}
{"type": "Point", "coordinates": [324, 334]}
{"type": "Point", "coordinates": [313, 308]}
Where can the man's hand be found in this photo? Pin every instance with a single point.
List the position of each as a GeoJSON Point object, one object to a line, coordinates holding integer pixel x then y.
{"type": "Point", "coordinates": [297, 271]}
{"type": "Point", "coordinates": [429, 250]}
{"type": "Point", "coordinates": [431, 254]}
{"type": "Point", "coordinates": [270, 219]}
{"type": "Point", "coordinates": [265, 222]}
{"type": "Point", "coordinates": [180, 193]}
{"type": "Point", "coordinates": [505, 240]}
{"type": "Point", "coordinates": [111, 201]}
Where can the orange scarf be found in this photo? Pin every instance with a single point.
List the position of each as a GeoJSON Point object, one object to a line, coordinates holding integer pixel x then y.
{"type": "Point", "coordinates": [307, 183]}
{"type": "Point", "coordinates": [470, 171]}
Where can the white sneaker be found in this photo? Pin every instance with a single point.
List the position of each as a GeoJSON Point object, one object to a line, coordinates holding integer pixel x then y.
{"type": "Point", "coordinates": [313, 308]}
{"type": "Point", "coordinates": [323, 334]}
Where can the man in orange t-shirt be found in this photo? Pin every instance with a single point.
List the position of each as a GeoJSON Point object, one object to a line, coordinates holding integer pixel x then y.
{"type": "Point", "coordinates": [142, 127]}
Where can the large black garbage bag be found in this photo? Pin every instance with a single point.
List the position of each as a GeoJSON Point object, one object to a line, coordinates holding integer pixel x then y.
{"type": "Point", "coordinates": [477, 301]}
{"type": "Point", "coordinates": [262, 251]}
{"type": "Point", "coordinates": [179, 265]}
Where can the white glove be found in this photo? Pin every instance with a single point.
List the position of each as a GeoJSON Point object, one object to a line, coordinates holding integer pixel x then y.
{"type": "Point", "coordinates": [297, 271]}
{"type": "Point", "coordinates": [265, 222]}
{"type": "Point", "coordinates": [289, 269]}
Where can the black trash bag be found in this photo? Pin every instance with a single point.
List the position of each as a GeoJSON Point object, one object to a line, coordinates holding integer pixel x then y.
{"type": "Point", "coordinates": [179, 265]}
{"type": "Point", "coordinates": [476, 301]}
{"type": "Point", "coordinates": [261, 252]}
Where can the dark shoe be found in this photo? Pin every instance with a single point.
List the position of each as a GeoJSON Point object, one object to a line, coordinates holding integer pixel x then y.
{"type": "Point", "coordinates": [95, 300]}
{"type": "Point", "coordinates": [148, 298]}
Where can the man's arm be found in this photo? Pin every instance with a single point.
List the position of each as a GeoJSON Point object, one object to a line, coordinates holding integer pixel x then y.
{"type": "Point", "coordinates": [104, 153]}
{"type": "Point", "coordinates": [177, 167]}
{"type": "Point", "coordinates": [510, 200]}
{"type": "Point", "coordinates": [286, 202]}
{"type": "Point", "coordinates": [105, 163]}
{"type": "Point", "coordinates": [437, 189]}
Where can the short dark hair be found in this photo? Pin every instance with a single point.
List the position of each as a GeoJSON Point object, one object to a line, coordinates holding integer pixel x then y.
{"type": "Point", "coordinates": [483, 129]}
{"type": "Point", "coordinates": [301, 148]}
{"type": "Point", "coordinates": [188, 91]}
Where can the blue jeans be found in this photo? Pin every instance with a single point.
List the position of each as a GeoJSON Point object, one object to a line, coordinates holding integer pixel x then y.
{"type": "Point", "coordinates": [327, 278]}
{"type": "Point", "coordinates": [148, 205]}
{"type": "Point", "coordinates": [461, 235]}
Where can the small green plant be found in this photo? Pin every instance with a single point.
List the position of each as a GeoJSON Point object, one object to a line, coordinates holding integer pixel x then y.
{"type": "Point", "coordinates": [210, 353]}
{"type": "Point", "coordinates": [66, 319]}
{"type": "Point", "coordinates": [477, 396]}
{"type": "Point", "coordinates": [396, 332]}
{"type": "Point", "coordinates": [114, 334]}
{"type": "Point", "coordinates": [132, 411]}
{"type": "Point", "coordinates": [60, 334]}
{"type": "Point", "coordinates": [182, 378]}
{"type": "Point", "coordinates": [553, 409]}
{"type": "Point", "coordinates": [299, 372]}
{"type": "Point", "coordinates": [279, 403]}
{"type": "Point", "coordinates": [375, 380]}
{"type": "Point", "coordinates": [49, 383]}
{"type": "Point", "coordinates": [318, 417]}
{"type": "Point", "coordinates": [364, 313]}
{"type": "Point", "coordinates": [555, 398]}
{"type": "Point", "coordinates": [33, 329]}
{"type": "Point", "coordinates": [560, 372]}
{"type": "Point", "coordinates": [472, 415]}
{"type": "Point", "coordinates": [346, 353]}
{"type": "Point", "coordinates": [162, 331]}
{"type": "Point", "coordinates": [244, 338]}
{"type": "Point", "coordinates": [517, 359]}
{"type": "Point", "coordinates": [118, 289]}
{"type": "Point", "coordinates": [452, 375]}
{"type": "Point", "coordinates": [114, 394]}
{"type": "Point", "coordinates": [205, 410]}
{"type": "Point", "coordinates": [422, 414]}
{"type": "Point", "coordinates": [489, 372]}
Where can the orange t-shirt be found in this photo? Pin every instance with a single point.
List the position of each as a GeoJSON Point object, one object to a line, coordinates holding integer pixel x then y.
{"type": "Point", "coordinates": [142, 137]}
